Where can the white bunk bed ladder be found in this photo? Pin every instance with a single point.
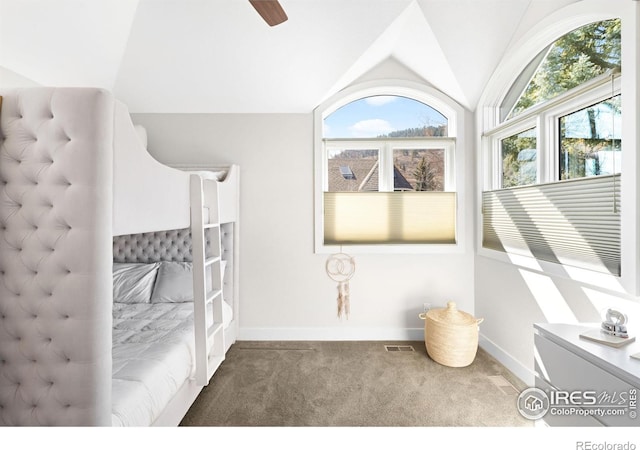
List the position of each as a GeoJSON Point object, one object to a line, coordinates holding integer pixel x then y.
{"type": "Point", "coordinates": [207, 278]}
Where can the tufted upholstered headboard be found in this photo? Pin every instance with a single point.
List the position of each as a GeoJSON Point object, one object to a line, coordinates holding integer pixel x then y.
{"type": "Point", "coordinates": [56, 169]}
{"type": "Point", "coordinates": [172, 245]}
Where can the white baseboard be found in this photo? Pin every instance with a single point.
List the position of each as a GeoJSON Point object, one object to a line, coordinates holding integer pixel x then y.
{"type": "Point", "coordinates": [516, 367]}
{"type": "Point", "coordinates": [331, 334]}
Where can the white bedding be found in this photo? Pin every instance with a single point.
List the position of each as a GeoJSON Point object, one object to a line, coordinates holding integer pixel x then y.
{"type": "Point", "coordinates": [153, 355]}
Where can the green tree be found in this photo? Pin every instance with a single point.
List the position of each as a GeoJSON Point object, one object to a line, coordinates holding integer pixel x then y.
{"type": "Point", "coordinates": [518, 159]}
{"type": "Point", "coordinates": [582, 148]}
{"type": "Point", "coordinates": [425, 176]}
{"type": "Point", "coordinates": [576, 57]}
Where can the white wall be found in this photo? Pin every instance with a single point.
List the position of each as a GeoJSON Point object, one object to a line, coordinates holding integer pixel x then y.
{"type": "Point", "coordinates": [10, 79]}
{"type": "Point", "coordinates": [512, 298]}
{"type": "Point", "coordinates": [285, 293]}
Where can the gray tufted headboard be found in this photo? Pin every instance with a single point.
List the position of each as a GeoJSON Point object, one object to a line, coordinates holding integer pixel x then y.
{"type": "Point", "coordinates": [56, 168]}
{"type": "Point", "coordinates": [172, 245]}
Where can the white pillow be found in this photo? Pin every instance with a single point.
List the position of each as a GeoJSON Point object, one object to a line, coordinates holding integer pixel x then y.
{"type": "Point", "coordinates": [133, 283]}
{"type": "Point", "coordinates": [174, 283]}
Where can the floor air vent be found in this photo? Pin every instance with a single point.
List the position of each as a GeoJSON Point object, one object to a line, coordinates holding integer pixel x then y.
{"type": "Point", "coordinates": [398, 348]}
{"type": "Point", "coordinates": [501, 383]}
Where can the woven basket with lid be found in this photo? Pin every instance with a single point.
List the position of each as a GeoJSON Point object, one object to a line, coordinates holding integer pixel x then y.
{"type": "Point", "coordinates": [451, 335]}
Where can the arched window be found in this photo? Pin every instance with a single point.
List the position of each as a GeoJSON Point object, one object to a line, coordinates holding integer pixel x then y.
{"type": "Point", "coordinates": [552, 187]}
{"type": "Point", "coordinates": [385, 170]}
{"type": "Point", "coordinates": [576, 58]}
{"type": "Point", "coordinates": [565, 122]}
{"type": "Point", "coordinates": [383, 143]}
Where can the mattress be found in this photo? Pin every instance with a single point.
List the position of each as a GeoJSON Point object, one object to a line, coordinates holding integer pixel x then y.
{"type": "Point", "coordinates": [153, 356]}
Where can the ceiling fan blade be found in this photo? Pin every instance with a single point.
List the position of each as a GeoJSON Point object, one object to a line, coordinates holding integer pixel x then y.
{"type": "Point", "coordinates": [270, 10]}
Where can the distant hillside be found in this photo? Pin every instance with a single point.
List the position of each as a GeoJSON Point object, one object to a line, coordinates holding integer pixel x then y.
{"type": "Point", "coordinates": [417, 132]}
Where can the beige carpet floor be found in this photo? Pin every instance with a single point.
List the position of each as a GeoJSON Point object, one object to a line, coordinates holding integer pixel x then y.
{"type": "Point", "coordinates": [353, 384]}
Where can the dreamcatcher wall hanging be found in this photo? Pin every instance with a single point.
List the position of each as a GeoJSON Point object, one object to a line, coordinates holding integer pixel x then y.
{"type": "Point", "coordinates": [340, 268]}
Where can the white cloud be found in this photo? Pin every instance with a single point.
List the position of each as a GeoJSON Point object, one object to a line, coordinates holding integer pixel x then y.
{"type": "Point", "coordinates": [380, 100]}
{"type": "Point", "coordinates": [370, 128]}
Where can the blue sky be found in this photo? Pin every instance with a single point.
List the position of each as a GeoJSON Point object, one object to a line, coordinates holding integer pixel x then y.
{"type": "Point", "coordinates": [373, 116]}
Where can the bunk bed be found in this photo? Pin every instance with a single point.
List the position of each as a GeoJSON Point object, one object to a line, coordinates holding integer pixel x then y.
{"type": "Point", "coordinates": [118, 275]}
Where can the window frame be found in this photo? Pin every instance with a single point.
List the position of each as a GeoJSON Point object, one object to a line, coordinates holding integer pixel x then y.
{"type": "Point", "coordinates": [488, 117]}
{"type": "Point", "coordinates": [454, 114]}
{"type": "Point", "coordinates": [386, 147]}
{"type": "Point", "coordinates": [545, 118]}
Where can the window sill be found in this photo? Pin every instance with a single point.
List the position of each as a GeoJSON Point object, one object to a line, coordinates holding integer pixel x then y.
{"type": "Point", "coordinates": [392, 249]}
{"type": "Point", "coordinates": [598, 280]}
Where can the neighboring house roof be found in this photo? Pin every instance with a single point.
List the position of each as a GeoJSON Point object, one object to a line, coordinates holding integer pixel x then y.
{"type": "Point", "coordinates": [359, 167]}
{"type": "Point", "coordinates": [371, 182]}
{"type": "Point", "coordinates": [400, 183]}
{"type": "Point", "coordinates": [365, 176]}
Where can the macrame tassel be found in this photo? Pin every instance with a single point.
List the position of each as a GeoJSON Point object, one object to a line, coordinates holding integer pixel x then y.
{"type": "Point", "coordinates": [340, 267]}
{"type": "Point", "coordinates": [343, 299]}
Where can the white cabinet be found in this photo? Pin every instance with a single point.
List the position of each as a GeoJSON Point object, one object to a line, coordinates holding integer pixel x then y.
{"type": "Point", "coordinates": [600, 382]}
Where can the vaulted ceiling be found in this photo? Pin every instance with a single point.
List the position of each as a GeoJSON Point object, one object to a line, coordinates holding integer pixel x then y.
{"type": "Point", "coordinates": [219, 56]}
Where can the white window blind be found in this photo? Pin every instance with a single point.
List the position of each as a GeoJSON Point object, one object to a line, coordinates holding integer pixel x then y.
{"type": "Point", "coordinates": [389, 218]}
{"type": "Point", "coordinates": [575, 222]}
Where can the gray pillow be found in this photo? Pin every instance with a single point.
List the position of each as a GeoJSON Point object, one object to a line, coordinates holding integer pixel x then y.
{"type": "Point", "coordinates": [174, 283]}
{"type": "Point", "coordinates": [133, 283]}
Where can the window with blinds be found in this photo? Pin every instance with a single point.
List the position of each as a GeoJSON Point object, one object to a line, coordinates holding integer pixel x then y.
{"type": "Point", "coordinates": [552, 165]}
{"type": "Point", "coordinates": [575, 222]}
{"type": "Point", "coordinates": [385, 170]}
{"type": "Point", "coordinates": [389, 191]}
